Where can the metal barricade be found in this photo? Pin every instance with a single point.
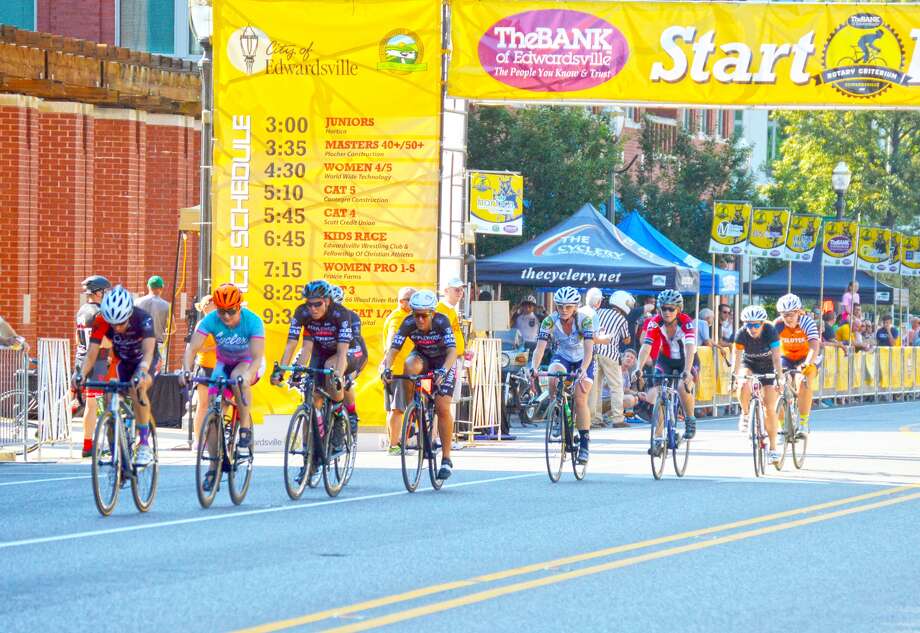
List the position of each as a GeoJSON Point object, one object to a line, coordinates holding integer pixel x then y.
{"type": "Point", "coordinates": [485, 390]}
{"type": "Point", "coordinates": [14, 399]}
{"type": "Point", "coordinates": [54, 390]}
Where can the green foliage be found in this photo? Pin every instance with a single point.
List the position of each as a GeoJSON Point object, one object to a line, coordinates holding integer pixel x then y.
{"type": "Point", "coordinates": [565, 155]}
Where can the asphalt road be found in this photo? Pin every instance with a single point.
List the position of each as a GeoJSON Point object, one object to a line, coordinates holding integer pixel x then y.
{"type": "Point", "coordinates": [833, 547]}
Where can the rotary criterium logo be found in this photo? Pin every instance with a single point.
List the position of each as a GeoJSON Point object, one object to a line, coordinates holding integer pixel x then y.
{"type": "Point", "coordinates": [401, 51]}
{"type": "Point", "coordinates": [863, 57]}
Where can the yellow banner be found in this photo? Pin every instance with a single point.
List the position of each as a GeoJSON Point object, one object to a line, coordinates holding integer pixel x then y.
{"type": "Point", "coordinates": [894, 253]}
{"type": "Point", "coordinates": [326, 161]}
{"type": "Point", "coordinates": [839, 243]}
{"type": "Point", "coordinates": [873, 248]}
{"type": "Point", "coordinates": [712, 53]}
{"type": "Point", "coordinates": [731, 222]}
{"type": "Point", "coordinates": [802, 238]}
{"type": "Point", "coordinates": [768, 233]}
{"type": "Point", "coordinates": [910, 255]}
{"type": "Point", "coordinates": [496, 202]}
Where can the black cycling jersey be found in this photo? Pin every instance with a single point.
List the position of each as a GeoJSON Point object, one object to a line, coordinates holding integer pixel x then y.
{"type": "Point", "coordinates": [357, 342]}
{"type": "Point", "coordinates": [431, 344]}
{"type": "Point", "coordinates": [86, 317]}
{"type": "Point", "coordinates": [127, 345]}
{"type": "Point", "coordinates": [327, 332]}
{"type": "Point", "coordinates": [758, 352]}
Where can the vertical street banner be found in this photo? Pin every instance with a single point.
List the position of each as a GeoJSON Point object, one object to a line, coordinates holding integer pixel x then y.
{"type": "Point", "coordinates": [496, 202]}
{"type": "Point", "coordinates": [839, 243]}
{"type": "Point", "coordinates": [768, 233]}
{"type": "Point", "coordinates": [802, 238]}
{"type": "Point", "coordinates": [326, 161]}
{"type": "Point", "coordinates": [910, 255]}
{"type": "Point", "coordinates": [874, 245]}
{"type": "Point", "coordinates": [894, 254]}
{"type": "Point", "coordinates": [731, 223]}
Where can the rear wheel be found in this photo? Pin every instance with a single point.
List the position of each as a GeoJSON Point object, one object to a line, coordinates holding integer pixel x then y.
{"type": "Point", "coordinates": [555, 443]}
{"type": "Point", "coordinates": [209, 459]}
{"type": "Point", "coordinates": [144, 484]}
{"type": "Point", "coordinates": [240, 474]}
{"type": "Point", "coordinates": [295, 453]}
{"type": "Point", "coordinates": [106, 465]}
{"type": "Point", "coordinates": [658, 443]}
{"type": "Point", "coordinates": [411, 463]}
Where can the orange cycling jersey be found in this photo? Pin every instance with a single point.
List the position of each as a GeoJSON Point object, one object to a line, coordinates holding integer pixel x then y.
{"type": "Point", "coordinates": [793, 341]}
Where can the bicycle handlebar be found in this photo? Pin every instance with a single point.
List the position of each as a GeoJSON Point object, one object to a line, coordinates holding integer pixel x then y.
{"type": "Point", "coordinates": [221, 383]}
{"type": "Point", "coordinates": [111, 386]}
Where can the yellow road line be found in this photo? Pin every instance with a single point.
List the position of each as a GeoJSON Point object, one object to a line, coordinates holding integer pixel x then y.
{"type": "Point", "coordinates": [559, 562]}
{"type": "Point", "coordinates": [490, 594]}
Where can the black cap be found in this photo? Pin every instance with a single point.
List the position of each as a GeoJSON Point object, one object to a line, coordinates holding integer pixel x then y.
{"type": "Point", "coordinates": [95, 283]}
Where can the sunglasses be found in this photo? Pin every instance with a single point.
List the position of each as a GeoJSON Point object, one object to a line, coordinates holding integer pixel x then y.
{"type": "Point", "coordinates": [669, 308]}
{"type": "Point", "coordinates": [422, 315]}
{"type": "Point", "coordinates": [753, 326]}
{"type": "Point", "coordinates": [227, 311]}
{"type": "Point", "coordinates": [788, 315]}
{"type": "Point", "coordinates": [316, 304]}
{"type": "Point", "coordinates": [402, 299]}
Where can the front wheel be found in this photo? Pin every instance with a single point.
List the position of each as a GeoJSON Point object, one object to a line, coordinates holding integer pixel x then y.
{"type": "Point", "coordinates": [411, 463]}
{"type": "Point", "coordinates": [209, 458]}
{"type": "Point", "coordinates": [106, 465]}
{"type": "Point", "coordinates": [433, 451]}
{"type": "Point", "coordinates": [757, 439]}
{"type": "Point", "coordinates": [299, 436]}
{"type": "Point", "coordinates": [240, 474]}
{"type": "Point", "coordinates": [680, 455]}
{"type": "Point", "coordinates": [658, 442]}
{"type": "Point", "coordinates": [555, 443]}
{"type": "Point", "coordinates": [786, 433]}
{"type": "Point", "coordinates": [144, 483]}
{"type": "Point", "coordinates": [799, 447]}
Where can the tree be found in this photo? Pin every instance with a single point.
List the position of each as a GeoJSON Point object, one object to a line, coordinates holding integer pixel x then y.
{"type": "Point", "coordinates": [564, 153]}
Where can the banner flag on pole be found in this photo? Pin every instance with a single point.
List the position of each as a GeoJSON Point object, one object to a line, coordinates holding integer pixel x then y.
{"type": "Point", "coordinates": [768, 233]}
{"type": "Point", "coordinates": [731, 223]}
{"type": "Point", "coordinates": [910, 255]}
{"type": "Point", "coordinates": [802, 238]}
{"type": "Point", "coordinates": [874, 247]}
{"type": "Point", "coordinates": [839, 244]}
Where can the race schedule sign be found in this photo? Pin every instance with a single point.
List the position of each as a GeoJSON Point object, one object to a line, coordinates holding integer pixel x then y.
{"type": "Point", "coordinates": [326, 160]}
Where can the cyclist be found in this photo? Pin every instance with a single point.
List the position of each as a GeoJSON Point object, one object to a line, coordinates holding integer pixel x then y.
{"type": "Point", "coordinates": [573, 332]}
{"type": "Point", "coordinates": [240, 337]}
{"type": "Point", "coordinates": [435, 350]}
{"type": "Point", "coordinates": [94, 287]}
{"type": "Point", "coordinates": [867, 43]}
{"type": "Point", "coordinates": [670, 337]}
{"type": "Point", "coordinates": [800, 346]}
{"type": "Point", "coordinates": [134, 344]}
{"type": "Point", "coordinates": [757, 352]}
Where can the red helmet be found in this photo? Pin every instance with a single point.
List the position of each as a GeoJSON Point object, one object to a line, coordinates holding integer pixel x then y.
{"type": "Point", "coordinates": [227, 296]}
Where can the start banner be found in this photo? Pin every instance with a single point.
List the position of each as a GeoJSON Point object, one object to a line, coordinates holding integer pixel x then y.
{"type": "Point", "coordinates": [768, 233]}
{"type": "Point", "coordinates": [687, 53]}
{"type": "Point", "coordinates": [327, 127]}
{"type": "Point", "coordinates": [839, 243]}
{"type": "Point", "coordinates": [802, 238]}
{"type": "Point", "coordinates": [731, 223]}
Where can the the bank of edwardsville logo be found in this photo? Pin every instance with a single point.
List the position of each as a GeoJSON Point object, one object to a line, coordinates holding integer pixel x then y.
{"type": "Point", "coordinates": [249, 50]}
{"type": "Point", "coordinates": [401, 51]}
{"type": "Point", "coordinates": [863, 57]}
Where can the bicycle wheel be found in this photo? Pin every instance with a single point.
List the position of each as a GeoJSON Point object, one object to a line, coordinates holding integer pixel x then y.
{"type": "Point", "coordinates": [299, 436]}
{"type": "Point", "coordinates": [555, 443]}
{"type": "Point", "coordinates": [433, 451]}
{"type": "Point", "coordinates": [799, 446]}
{"type": "Point", "coordinates": [336, 461]}
{"type": "Point", "coordinates": [757, 438]}
{"type": "Point", "coordinates": [785, 434]}
{"type": "Point", "coordinates": [240, 474]}
{"type": "Point", "coordinates": [659, 456]}
{"type": "Point", "coordinates": [680, 454]}
{"type": "Point", "coordinates": [106, 465]}
{"type": "Point", "coordinates": [352, 456]}
{"type": "Point", "coordinates": [580, 470]}
{"type": "Point", "coordinates": [144, 484]}
{"type": "Point", "coordinates": [412, 465]}
{"type": "Point", "coordinates": [209, 458]}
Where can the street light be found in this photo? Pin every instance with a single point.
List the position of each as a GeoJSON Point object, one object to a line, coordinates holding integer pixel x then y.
{"type": "Point", "coordinates": [201, 20]}
{"type": "Point", "coordinates": [616, 118]}
{"type": "Point", "coordinates": [840, 180]}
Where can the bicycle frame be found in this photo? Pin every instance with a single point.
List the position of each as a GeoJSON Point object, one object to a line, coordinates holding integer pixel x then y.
{"type": "Point", "coordinates": [120, 406]}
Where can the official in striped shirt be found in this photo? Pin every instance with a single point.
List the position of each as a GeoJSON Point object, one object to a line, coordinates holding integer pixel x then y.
{"type": "Point", "coordinates": [611, 332]}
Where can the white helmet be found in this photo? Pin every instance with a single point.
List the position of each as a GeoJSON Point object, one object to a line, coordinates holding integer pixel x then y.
{"type": "Point", "coordinates": [337, 294]}
{"type": "Point", "coordinates": [423, 300]}
{"type": "Point", "coordinates": [788, 303]}
{"type": "Point", "coordinates": [622, 300]}
{"type": "Point", "coordinates": [567, 295]}
{"type": "Point", "coordinates": [117, 305]}
{"type": "Point", "coordinates": [754, 313]}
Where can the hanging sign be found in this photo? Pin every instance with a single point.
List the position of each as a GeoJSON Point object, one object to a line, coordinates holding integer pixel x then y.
{"type": "Point", "coordinates": [910, 255]}
{"type": "Point", "coordinates": [731, 222]}
{"type": "Point", "coordinates": [802, 238]}
{"type": "Point", "coordinates": [874, 246]}
{"type": "Point", "coordinates": [839, 244]}
{"type": "Point", "coordinates": [496, 202]}
{"type": "Point", "coordinates": [768, 233]}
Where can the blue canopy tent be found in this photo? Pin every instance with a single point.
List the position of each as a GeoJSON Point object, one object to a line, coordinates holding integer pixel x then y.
{"type": "Point", "coordinates": [639, 229]}
{"type": "Point", "coordinates": [586, 250]}
{"type": "Point", "coordinates": [806, 277]}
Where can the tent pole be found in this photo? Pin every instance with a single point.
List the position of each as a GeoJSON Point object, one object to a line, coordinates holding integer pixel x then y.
{"type": "Point", "coordinates": [789, 277]}
{"type": "Point", "coordinates": [750, 279]}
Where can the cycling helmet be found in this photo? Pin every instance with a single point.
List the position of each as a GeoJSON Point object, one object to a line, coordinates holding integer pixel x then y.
{"type": "Point", "coordinates": [622, 300]}
{"type": "Point", "coordinates": [669, 297]}
{"type": "Point", "coordinates": [337, 294]}
{"type": "Point", "coordinates": [754, 313]}
{"type": "Point", "coordinates": [788, 303]}
{"type": "Point", "coordinates": [423, 300]}
{"type": "Point", "coordinates": [227, 297]}
{"type": "Point", "coordinates": [317, 289]}
{"type": "Point", "coordinates": [117, 305]}
{"type": "Point", "coordinates": [566, 296]}
{"type": "Point", "coordinates": [95, 283]}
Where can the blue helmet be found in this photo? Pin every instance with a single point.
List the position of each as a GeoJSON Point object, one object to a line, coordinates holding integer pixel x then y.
{"type": "Point", "coordinates": [337, 294]}
{"type": "Point", "coordinates": [423, 300]}
{"type": "Point", "coordinates": [317, 289]}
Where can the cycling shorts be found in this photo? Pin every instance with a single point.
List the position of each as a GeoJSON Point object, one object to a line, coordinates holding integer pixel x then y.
{"type": "Point", "coordinates": [126, 370]}
{"type": "Point", "coordinates": [674, 366]}
{"type": "Point", "coordinates": [811, 372]}
{"type": "Point", "coordinates": [355, 360]}
{"type": "Point", "coordinates": [761, 368]}
{"type": "Point", "coordinates": [571, 366]}
{"type": "Point", "coordinates": [446, 388]}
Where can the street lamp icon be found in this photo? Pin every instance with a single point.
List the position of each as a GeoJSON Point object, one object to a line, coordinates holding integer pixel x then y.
{"type": "Point", "coordinates": [249, 44]}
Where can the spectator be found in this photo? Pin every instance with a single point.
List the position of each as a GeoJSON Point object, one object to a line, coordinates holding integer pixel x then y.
{"type": "Point", "coordinates": [610, 330]}
{"type": "Point", "coordinates": [94, 288]}
{"type": "Point", "coordinates": [887, 335]}
{"type": "Point", "coordinates": [395, 399]}
{"type": "Point", "coordinates": [593, 300]}
{"type": "Point", "coordinates": [157, 307]}
{"type": "Point", "coordinates": [829, 330]}
{"type": "Point", "coordinates": [912, 336]}
{"type": "Point", "coordinates": [726, 326]}
{"type": "Point", "coordinates": [449, 306]}
{"type": "Point", "coordinates": [526, 320]}
{"type": "Point", "coordinates": [636, 318]}
{"type": "Point", "coordinates": [703, 325]}
{"type": "Point", "coordinates": [851, 297]}
{"type": "Point", "coordinates": [632, 398]}
{"type": "Point", "coordinates": [205, 361]}
{"type": "Point", "coordinates": [9, 338]}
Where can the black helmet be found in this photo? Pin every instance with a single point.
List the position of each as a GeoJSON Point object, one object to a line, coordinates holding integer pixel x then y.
{"type": "Point", "coordinates": [95, 283]}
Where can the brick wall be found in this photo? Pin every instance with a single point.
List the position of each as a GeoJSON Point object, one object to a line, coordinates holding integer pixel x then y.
{"type": "Point", "coordinates": [83, 19]}
{"type": "Point", "coordinates": [87, 190]}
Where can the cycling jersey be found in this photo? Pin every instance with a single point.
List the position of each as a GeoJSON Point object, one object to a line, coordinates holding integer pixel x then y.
{"type": "Point", "coordinates": [86, 318]}
{"type": "Point", "coordinates": [128, 345]}
{"type": "Point", "coordinates": [793, 341]}
{"type": "Point", "coordinates": [327, 332]}
{"type": "Point", "coordinates": [671, 347]}
{"type": "Point", "coordinates": [569, 345]}
{"type": "Point", "coordinates": [433, 344]}
{"type": "Point", "coordinates": [758, 352]}
{"type": "Point", "coordinates": [233, 343]}
{"type": "Point", "coordinates": [358, 345]}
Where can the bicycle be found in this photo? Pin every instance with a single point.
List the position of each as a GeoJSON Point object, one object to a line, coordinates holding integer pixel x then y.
{"type": "Point", "coordinates": [759, 438]}
{"type": "Point", "coordinates": [419, 424]}
{"type": "Point", "coordinates": [560, 429]}
{"type": "Point", "coordinates": [302, 453]}
{"type": "Point", "coordinates": [665, 414]}
{"type": "Point", "coordinates": [792, 429]}
{"type": "Point", "coordinates": [217, 445]}
{"type": "Point", "coordinates": [114, 448]}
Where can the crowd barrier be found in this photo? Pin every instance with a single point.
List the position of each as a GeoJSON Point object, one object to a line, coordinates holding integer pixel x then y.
{"type": "Point", "coordinates": [14, 399]}
{"type": "Point", "coordinates": [485, 382]}
{"type": "Point", "coordinates": [881, 374]}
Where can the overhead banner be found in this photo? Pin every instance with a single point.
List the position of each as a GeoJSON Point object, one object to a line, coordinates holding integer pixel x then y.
{"type": "Point", "coordinates": [731, 223]}
{"type": "Point", "coordinates": [327, 119]}
{"type": "Point", "coordinates": [496, 202]}
{"type": "Point", "coordinates": [687, 53]}
{"type": "Point", "coordinates": [768, 233]}
{"type": "Point", "coordinates": [910, 255]}
{"type": "Point", "coordinates": [802, 238]}
{"type": "Point", "coordinates": [839, 243]}
{"type": "Point", "coordinates": [874, 243]}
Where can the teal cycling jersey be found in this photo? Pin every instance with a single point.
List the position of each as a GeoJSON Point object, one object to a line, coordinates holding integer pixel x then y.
{"type": "Point", "coordinates": [233, 343]}
{"type": "Point", "coordinates": [569, 346]}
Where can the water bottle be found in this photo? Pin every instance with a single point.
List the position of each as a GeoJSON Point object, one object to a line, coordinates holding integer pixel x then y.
{"type": "Point", "coordinates": [568, 411]}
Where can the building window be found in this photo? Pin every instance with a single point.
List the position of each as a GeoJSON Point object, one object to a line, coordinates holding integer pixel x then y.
{"type": "Point", "coordinates": [686, 120]}
{"type": "Point", "coordinates": [738, 122]}
{"type": "Point", "coordinates": [18, 13]}
{"type": "Point", "coordinates": [720, 123]}
{"type": "Point", "coordinates": [148, 25]}
{"type": "Point", "coordinates": [632, 114]}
